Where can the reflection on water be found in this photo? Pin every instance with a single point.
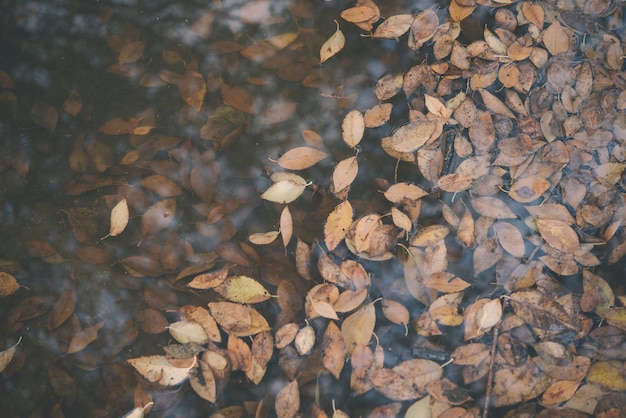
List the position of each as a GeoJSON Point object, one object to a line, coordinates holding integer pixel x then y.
{"type": "Point", "coordinates": [181, 109]}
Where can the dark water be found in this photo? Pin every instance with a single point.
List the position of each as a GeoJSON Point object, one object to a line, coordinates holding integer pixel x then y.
{"type": "Point", "coordinates": [54, 50]}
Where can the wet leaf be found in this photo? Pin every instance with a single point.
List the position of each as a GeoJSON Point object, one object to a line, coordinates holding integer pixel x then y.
{"type": "Point", "coordinates": [555, 39]}
{"type": "Point", "coordinates": [160, 370]}
{"type": "Point", "coordinates": [412, 136]}
{"type": "Point", "coordinates": [158, 217]}
{"type": "Point", "coordinates": [539, 311]}
{"type": "Point", "coordinates": [393, 27]}
{"type": "Point", "coordinates": [344, 174]}
{"type": "Point", "coordinates": [242, 289]}
{"type": "Point", "coordinates": [288, 401]}
{"type": "Point", "coordinates": [263, 238]}
{"type": "Point", "coordinates": [528, 189]}
{"type": "Point", "coordinates": [399, 192]}
{"type": "Point", "coordinates": [285, 191]}
{"type": "Point", "coordinates": [357, 329]}
{"type": "Point", "coordinates": [332, 45]}
{"type": "Point", "coordinates": [335, 352]}
{"type": "Point", "coordinates": [352, 128]}
{"type": "Point", "coordinates": [337, 225]}
{"type": "Point", "coordinates": [192, 89]}
{"type": "Point", "coordinates": [301, 158]}
{"type": "Point", "coordinates": [558, 235]}
{"type": "Point", "coordinates": [203, 382]}
{"type": "Point", "coordinates": [510, 238]}
{"type": "Point", "coordinates": [44, 115]}
{"type": "Point", "coordinates": [429, 235]}
{"type": "Point", "coordinates": [63, 307]}
{"type": "Point", "coordinates": [445, 282]}
{"type": "Point", "coordinates": [492, 207]}
{"type": "Point", "coordinates": [7, 355]}
{"type": "Point", "coordinates": [84, 337]}
{"type": "Point", "coordinates": [119, 218]}
{"type": "Point", "coordinates": [8, 284]}
{"type": "Point", "coordinates": [514, 385]}
{"type": "Point", "coordinates": [278, 112]}
{"type": "Point", "coordinates": [598, 295]}
{"type": "Point", "coordinates": [238, 320]}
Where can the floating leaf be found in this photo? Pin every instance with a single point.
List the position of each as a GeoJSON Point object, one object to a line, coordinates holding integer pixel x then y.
{"type": "Point", "coordinates": [7, 355]}
{"type": "Point", "coordinates": [263, 238]}
{"type": "Point", "coordinates": [301, 158]}
{"type": "Point", "coordinates": [555, 39]}
{"type": "Point", "coordinates": [412, 136]}
{"type": "Point", "coordinates": [285, 191]}
{"type": "Point", "coordinates": [528, 189]}
{"type": "Point", "coordinates": [510, 238]}
{"type": "Point", "coordinates": [393, 27]}
{"type": "Point", "coordinates": [119, 218]}
{"type": "Point", "coordinates": [492, 207]}
{"type": "Point", "coordinates": [357, 329]}
{"type": "Point", "coordinates": [8, 284]}
{"type": "Point", "coordinates": [288, 401]}
{"type": "Point", "coordinates": [352, 128]}
{"type": "Point", "coordinates": [84, 337]}
{"type": "Point", "coordinates": [558, 235]}
{"type": "Point", "coordinates": [238, 320]}
{"type": "Point", "coordinates": [333, 45]}
{"type": "Point", "coordinates": [400, 192]}
{"type": "Point", "coordinates": [242, 289]}
{"type": "Point", "coordinates": [539, 311]}
{"type": "Point", "coordinates": [158, 369]}
{"type": "Point", "coordinates": [337, 225]}
{"type": "Point", "coordinates": [344, 174]}
{"type": "Point", "coordinates": [186, 332]}
{"type": "Point", "coordinates": [158, 217]}
{"type": "Point", "coordinates": [192, 88]}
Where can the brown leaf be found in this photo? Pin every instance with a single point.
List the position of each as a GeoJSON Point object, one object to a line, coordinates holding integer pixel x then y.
{"type": "Point", "coordinates": [393, 27]}
{"type": "Point", "coordinates": [335, 352]}
{"type": "Point", "coordinates": [412, 136]}
{"type": "Point", "coordinates": [337, 225]}
{"type": "Point", "coordinates": [201, 316]}
{"type": "Point", "coordinates": [7, 355]}
{"type": "Point", "coordinates": [492, 207]}
{"type": "Point", "coordinates": [44, 115]}
{"type": "Point", "coordinates": [558, 235]}
{"type": "Point", "coordinates": [510, 238]}
{"type": "Point", "coordinates": [357, 329]}
{"type": "Point", "coordinates": [445, 282]}
{"type": "Point", "coordinates": [239, 98]}
{"type": "Point", "coordinates": [238, 320]}
{"type": "Point", "coordinates": [160, 370]}
{"type": "Point", "coordinates": [534, 13]}
{"type": "Point", "coordinates": [482, 132]}
{"type": "Point", "coordinates": [278, 112]}
{"type": "Point", "coordinates": [161, 185]}
{"type": "Point", "coordinates": [528, 189]}
{"type": "Point", "coordinates": [131, 52]}
{"type": "Point", "coordinates": [63, 307]}
{"type": "Point", "coordinates": [84, 337]}
{"type": "Point", "coordinates": [301, 158]}
{"type": "Point", "coordinates": [555, 38]}
{"type": "Point", "coordinates": [158, 217]}
{"type": "Point", "coordinates": [539, 311]}
{"type": "Point", "coordinates": [399, 192]}
{"type": "Point", "coordinates": [288, 401]}
{"type": "Point", "coordinates": [203, 382]}
{"type": "Point", "coordinates": [192, 89]}
{"type": "Point", "coordinates": [8, 284]}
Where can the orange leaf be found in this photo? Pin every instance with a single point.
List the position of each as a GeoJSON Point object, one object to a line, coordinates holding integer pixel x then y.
{"type": "Point", "coordinates": [558, 235]}
{"type": "Point", "coordinates": [344, 174]}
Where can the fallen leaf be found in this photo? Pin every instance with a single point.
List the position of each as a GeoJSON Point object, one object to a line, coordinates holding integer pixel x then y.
{"type": "Point", "coordinates": [158, 369]}
{"type": "Point", "coordinates": [8, 284]}
{"type": "Point", "coordinates": [357, 329]}
{"type": "Point", "coordinates": [84, 337]}
{"type": "Point", "coordinates": [242, 289]}
{"type": "Point", "coordinates": [558, 235]}
{"type": "Point", "coordinates": [332, 45]}
{"type": "Point", "coordinates": [287, 401]}
{"type": "Point", "coordinates": [352, 128]}
{"type": "Point", "coordinates": [301, 158]}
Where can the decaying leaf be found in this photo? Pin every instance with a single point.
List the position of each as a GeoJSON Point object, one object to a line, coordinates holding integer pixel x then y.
{"type": "Point", "coordinates": [357, 329]}
{"type": "Point", "coordinates": [288, 401]}
{"type": "Point", "coordinates": [8, 284]}
{"type": "Point", "coordinates": [242, 289]}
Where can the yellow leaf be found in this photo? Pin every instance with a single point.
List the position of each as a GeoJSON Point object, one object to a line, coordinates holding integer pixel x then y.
{"type": "Point", "coordinates": [333, 45]}
{"type": "Point", "coordinates": [242, 289]}
{"type": "Point", "coordinates": [285, 191]}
